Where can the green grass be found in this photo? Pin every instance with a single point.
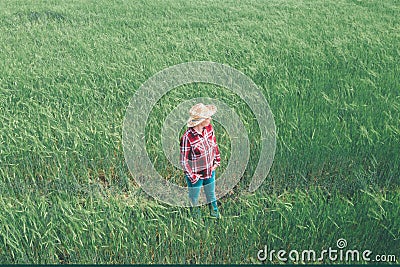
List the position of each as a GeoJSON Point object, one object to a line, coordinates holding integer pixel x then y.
{"type": "Point", "coordinates": [107, 227]}
{"type": "Point", "coordinates": [329, 71]}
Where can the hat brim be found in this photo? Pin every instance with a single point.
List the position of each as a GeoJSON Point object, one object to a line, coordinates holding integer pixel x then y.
{"type": "Point", "coordinates": [193, 123]}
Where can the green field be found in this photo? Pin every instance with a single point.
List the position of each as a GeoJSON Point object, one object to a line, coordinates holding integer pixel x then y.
{"type": "Point", "coordinates": [330, 71]}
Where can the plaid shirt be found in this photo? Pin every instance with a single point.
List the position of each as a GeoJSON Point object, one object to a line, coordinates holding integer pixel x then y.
{"type": "Point", "coordinates": [199, 152]}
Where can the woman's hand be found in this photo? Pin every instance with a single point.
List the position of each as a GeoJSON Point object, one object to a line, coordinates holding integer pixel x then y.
{"type": "Point", "coordinates": [213, 167]}
{"type": "Point", "coordinates": [196, 178]}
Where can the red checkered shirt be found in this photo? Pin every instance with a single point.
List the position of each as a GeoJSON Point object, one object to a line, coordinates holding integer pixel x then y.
{"type": "Point", "coordinates": [199, 152]}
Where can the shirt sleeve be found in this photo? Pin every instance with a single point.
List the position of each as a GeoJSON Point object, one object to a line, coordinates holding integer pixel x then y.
{"type": "Point", "coordinates": [184, 159]}
{"type": "Point", "coordinates": [217, 160]}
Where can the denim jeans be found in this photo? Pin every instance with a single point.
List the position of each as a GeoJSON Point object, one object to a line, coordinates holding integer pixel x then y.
{"type": "Point", "coordinates": [209, 190]}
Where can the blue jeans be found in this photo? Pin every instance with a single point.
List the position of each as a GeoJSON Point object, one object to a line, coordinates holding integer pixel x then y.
{"type": "Point", "coordinates": [209, 190]}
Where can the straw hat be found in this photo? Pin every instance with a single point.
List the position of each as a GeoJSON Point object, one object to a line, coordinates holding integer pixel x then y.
{"type": "Point", "coordinates": [200, 112]}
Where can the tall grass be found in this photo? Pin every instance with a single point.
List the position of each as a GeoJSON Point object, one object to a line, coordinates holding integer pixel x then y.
{"type": "Point", "coordinates": [107, 227]}
{"type": "Point", "coordinates": [329, 71]}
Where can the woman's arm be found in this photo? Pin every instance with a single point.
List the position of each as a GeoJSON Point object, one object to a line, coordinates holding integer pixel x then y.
{"type": "Point", "coordinates": [217, 158]}
{"type": "Point", "coordinates": [184, 159]}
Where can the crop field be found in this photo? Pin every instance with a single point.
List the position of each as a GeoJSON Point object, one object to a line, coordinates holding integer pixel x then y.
{"type": "Point", "coordinates": [330, 71]}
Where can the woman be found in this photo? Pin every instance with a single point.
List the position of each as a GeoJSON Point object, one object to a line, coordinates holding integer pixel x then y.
{"type": "Point", "coordinates": [200, 156]}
